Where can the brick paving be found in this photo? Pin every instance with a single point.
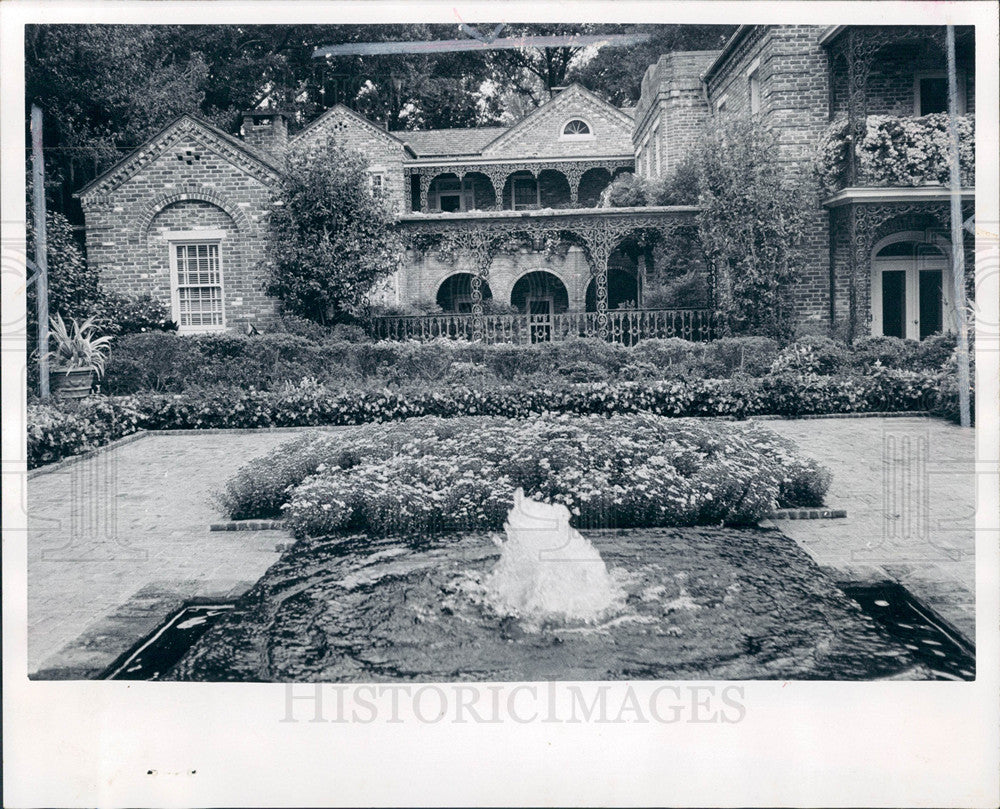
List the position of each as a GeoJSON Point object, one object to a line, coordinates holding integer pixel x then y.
{"type": "Point", "coordinates": [909, 489]}
{"type": "Point", "coordinates": [136, 517]}
{"type": "Point", "coordinates": [131, 527]}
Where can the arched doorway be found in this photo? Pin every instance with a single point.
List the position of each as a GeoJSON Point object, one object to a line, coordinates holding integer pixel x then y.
{"type": "Point", "coordinates": [911, 283]}
{"type": "Point", "coordinates": [455, 293]}
{"type": "Point", "coordinates": [540, 295]}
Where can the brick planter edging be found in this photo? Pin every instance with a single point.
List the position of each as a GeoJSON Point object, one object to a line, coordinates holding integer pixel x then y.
{"type": "Point", "coordinates": [55, 466]}
{"type": "Point", "coordinates": [248, 525]}
{"type": "Point", "coordinates": [808, 514]}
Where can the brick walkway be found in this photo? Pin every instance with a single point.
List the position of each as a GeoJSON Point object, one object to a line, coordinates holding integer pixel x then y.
{"type": "Point", "coordinates": [909, 490]}
{"type": "Point", "coordinates": [130, 527]}
{"type": "Point", "coordinates": [134, 519]}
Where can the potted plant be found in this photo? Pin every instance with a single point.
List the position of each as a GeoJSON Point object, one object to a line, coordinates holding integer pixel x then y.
{"type": "Point", "coordinates": [76, 358]}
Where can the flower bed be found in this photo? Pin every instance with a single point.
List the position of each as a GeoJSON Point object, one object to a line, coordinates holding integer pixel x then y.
{"type": "Point", "coordinates": [899, 151]}
{"type": "Point", "coordinates": [460, 474]}
{"type": "Point", "coordinates": [58, 430]}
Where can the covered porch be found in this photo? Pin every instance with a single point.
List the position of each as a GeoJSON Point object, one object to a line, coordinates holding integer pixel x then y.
{"type": "Point", "coordinates": [547, 275]}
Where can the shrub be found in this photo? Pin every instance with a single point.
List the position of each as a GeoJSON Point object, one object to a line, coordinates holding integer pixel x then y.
{"type": "Point", "coordinates": [309, 403]}
{"type": "Point", "coordinates": [583, 371]}
{"type": "Point", "coordinates": [132, 314]}
{"type": "Point", "coordinates": [946, 402]}
{"type": "Point", "coordinates": [890, 352]}
{"type": "Point", "coordinates": [638, 370]}
{"type": "Point", "coordinates": [747, 355]}
{"type": "Point", "coordinates": [288, 323]}
{"type": "Point", "coordinates": [431, 474]}
{"type": "Point", "coordinates": [687, 291]}
{"type": "Point", "coordinates": [626, 191]}
{"type": "Point", "coordinates": [470, 373]}
{"type": "Point", "coordinates": [813, 354]}
{"type": "Point", "coordinates": [935, 351]}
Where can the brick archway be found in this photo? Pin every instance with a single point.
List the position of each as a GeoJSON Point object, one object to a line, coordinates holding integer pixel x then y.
{"type": "Point", "coordinates": [239, 217]}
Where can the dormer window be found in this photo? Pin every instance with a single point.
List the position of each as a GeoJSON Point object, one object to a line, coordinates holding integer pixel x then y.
{"type": "Point", "coordinates": [576, 129]}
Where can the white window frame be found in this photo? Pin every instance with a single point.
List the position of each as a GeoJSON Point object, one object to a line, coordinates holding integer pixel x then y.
{"type": "Point", "coordinates": [466, 193]}
{"type": "Point", "coordinates": [720, 104]}
{"type": "Point", "coordinates": [753, 87]}
{"type": "Point", "coordinates": [380, 186]}
{"type": "Point", "coordinates": [937, 74]}
{"type": "Point", "coordinates": [588, 136]}
{"type": "Point", "coordinates": [912, 267]}
{"type": "Point", "coordinates": [180, 237]}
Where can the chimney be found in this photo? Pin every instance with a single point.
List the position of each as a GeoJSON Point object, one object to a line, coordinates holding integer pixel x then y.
{"type": "Point", "coordinates": [266, 131]}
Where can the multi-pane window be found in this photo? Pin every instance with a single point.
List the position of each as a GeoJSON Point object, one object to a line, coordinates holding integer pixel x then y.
{"type": "Point", "coordinates": [377, 182]}
{"type": "Point", "coordinates": [199, 285]}
{"type": "Point", "coordinates": [525, 193]}
{"type": "Point", "coordinates": [576, 129]}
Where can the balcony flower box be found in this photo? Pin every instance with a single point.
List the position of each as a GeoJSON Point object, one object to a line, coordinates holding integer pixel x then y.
{"type": "Point", "coordinates": [897, 151]}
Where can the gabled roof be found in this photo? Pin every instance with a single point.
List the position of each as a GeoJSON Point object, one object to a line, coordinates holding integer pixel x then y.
{"type": "Point", "coordinates": [339, 109]}
{"type": "Point", "coordinates": [449, 142]}
{"type": "Point", "coordinates": [137, 158]}
{"type": "Point", "coordinates": [574, 91]}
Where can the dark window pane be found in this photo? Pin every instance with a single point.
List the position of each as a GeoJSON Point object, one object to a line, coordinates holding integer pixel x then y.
{"type": "Point", "coordinates": [894, 303]}
{"type": "Point", "coordinates": [930, 302]}
{"type": "Point", "coordinates": [933, 95]}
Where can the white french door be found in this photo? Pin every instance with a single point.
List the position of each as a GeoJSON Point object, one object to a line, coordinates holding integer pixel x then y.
{"type": "Point", "coordinates": [910, 296]}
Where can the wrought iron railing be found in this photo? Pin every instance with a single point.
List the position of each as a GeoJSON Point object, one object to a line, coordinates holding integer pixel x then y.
{"type": "Point", "coordinates": [626, 326]}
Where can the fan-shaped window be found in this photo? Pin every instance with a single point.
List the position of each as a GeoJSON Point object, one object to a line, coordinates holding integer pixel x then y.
{"type": "Point", "coordinates": [576, 129]}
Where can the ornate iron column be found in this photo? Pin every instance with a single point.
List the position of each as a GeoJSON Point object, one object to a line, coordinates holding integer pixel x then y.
{"type": "Point", "coordinates": [573, 176]}
{"type": "Point", "coordinates": [425, 184]}
{"type": "Point", "coordinates": [601, 240]}
{"type": "Point", "coordinates": [480, 244]}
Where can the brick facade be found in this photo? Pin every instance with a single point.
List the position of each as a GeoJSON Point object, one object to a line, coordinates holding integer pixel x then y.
{"type": "Point", "coordinates": [194, 178]}
{"type": "Point", "coordinates": [187, 178]}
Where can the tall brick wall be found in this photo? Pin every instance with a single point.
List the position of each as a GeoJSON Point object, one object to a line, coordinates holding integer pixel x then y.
{"type": "Point", "coordinates": [187, 181]}
{"type": "Point", "coordinates": [672, 110]}
{"type": "Point", "coordinates": [385, 153]}
{"type": "Point", "coordinates": [794, 99]}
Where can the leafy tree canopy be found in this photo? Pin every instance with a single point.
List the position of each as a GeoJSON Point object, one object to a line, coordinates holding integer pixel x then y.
{"type": "Point", "coordinates": [331, 237]}
{"type": "Point", "coordinates": [106, 88]}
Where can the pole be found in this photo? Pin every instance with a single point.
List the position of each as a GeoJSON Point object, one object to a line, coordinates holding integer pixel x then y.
{"type": "Point", "coordinates": [41, 251]}
{"type": "Point", "coordinates": [957, 242]}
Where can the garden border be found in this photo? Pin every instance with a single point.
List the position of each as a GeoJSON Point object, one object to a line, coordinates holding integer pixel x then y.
{"type": "Point", "coordinates": [55, 466]}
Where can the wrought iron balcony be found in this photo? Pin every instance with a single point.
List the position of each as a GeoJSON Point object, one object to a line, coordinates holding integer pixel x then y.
{"type": "Point", "coordinates": [625, 326]}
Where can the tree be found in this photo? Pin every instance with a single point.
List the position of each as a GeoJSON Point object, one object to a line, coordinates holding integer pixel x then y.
{"type": "Point", "coordinates": [750, 225]}
{"type": "Point", "coordinates": [330, 236]}
{"type": "Point", "coordinates": [616, 73]}
{"type": "Point", "coordinates": [72, 284]}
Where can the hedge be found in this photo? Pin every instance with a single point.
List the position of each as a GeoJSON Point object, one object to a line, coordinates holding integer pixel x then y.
{"type": "Point", "coordinates": [435, 474]}
{"type": "Point", "coordinates": [167, 363]}
{"type": "Point", "coordinates": [56, 431]}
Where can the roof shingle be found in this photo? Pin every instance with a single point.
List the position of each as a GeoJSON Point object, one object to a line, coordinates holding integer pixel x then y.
{"type": "Point", "coordinates": [449, 142]}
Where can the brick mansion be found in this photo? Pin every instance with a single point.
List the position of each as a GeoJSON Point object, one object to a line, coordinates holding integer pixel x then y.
{"type": "Point", "coordinates": [184, 216]}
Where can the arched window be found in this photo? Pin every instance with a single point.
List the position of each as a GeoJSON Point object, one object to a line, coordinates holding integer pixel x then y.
{"type": "Point", "coordinates": [576, 128]}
